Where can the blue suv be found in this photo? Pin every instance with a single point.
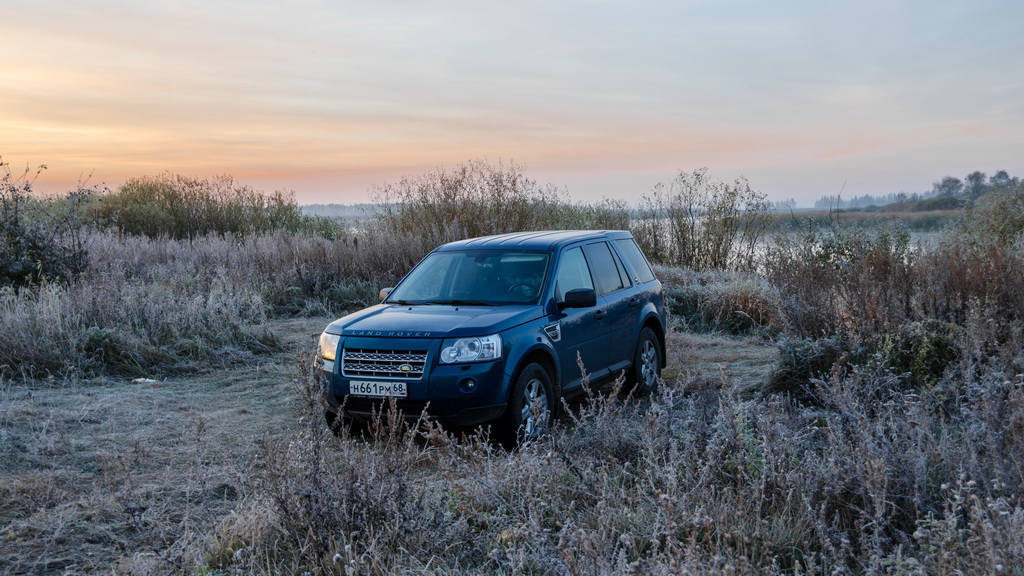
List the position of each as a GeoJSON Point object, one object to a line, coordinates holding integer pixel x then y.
{"type": "Point", "coordinates": [488, 331]}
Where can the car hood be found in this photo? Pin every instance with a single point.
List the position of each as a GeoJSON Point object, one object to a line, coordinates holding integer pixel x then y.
{"type": "Point", "coordinates": [397, 321]}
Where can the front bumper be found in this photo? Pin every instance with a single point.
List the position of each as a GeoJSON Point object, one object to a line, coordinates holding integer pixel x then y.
{"type": "Point", "coordinates": [456, 395]}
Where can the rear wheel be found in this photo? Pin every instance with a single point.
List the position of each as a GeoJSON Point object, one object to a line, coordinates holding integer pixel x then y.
{"type": "Point", "coordinates": [646, 369]}
{"type": "Point", "coordinates": [529, 411]}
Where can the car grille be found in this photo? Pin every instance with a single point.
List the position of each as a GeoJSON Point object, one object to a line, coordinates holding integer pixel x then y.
{"type": "Point", "coordinates": [398, 364]}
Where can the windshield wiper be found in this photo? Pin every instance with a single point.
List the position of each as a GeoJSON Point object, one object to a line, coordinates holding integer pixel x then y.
{"type": "Point", "coordinates": [460, 302]}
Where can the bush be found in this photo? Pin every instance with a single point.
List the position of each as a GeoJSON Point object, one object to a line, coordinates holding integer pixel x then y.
{"type": "Point", "coordinates": [977, 287]}
{"type": "Point", "coordinates": [914, 357]}
{"type": "Point", "coordinates": [701, 224]}
{"type": "Point", "coordinates": [852, 282]}
{"type": "Point", "coordinates": [910, 311]}
{"type": "Point", "coordinates": [480, 199]}
{"type": "Point", "coordinates": [801, 361]}
{"type": "Point", "coordinates": [719, 301]}
{"type": "Point", "coordinates": [996, 218]}
{"type": "Point", "coordinates": [921, 352]}
{"type": "Point", "coordinates": [39, 239]}
{"type": "Point", "coordinates": [183, 207]}
{"type": "Point", "coordinates": [104, 350]}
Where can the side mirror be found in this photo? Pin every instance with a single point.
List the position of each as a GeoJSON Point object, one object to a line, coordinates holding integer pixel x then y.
{"type": "Point", "coordinates": [579, 298]}
{"type": "Point", "coordinates": [384, 293]}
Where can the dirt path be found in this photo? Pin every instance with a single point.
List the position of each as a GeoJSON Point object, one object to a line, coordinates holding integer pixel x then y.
{"type": "Point", "coordinates": [108, 469]}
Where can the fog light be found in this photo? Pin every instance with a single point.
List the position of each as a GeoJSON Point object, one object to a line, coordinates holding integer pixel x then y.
{"type": "Point", "coordinates": [467, 385]}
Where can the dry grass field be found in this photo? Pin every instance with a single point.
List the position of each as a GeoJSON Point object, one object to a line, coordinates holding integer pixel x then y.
{"type": "Point", "coordinates": [839, 399]}
{"type": "Point", "coordinates": [126, 475]}
{"type": "Point", "coordinates": [100, 472]}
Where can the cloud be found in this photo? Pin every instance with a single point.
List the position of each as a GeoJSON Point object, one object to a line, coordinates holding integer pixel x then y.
{"type": "Point", "coordinates": [310, 91]}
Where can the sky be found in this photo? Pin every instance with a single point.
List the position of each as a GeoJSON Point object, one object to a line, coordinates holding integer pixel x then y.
{"type": "Point", "coordinates": [333, 99]}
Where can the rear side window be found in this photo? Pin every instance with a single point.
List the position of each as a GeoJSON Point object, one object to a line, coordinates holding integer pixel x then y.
{"type": "Point", "coordinates": [636, 259]}
{"type": "Point", "coordinates": [604, 267]}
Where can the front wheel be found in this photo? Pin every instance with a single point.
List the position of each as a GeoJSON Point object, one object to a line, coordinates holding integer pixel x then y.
{"type": "Point", "coordinates": [529, 410]}
{"type": "Point", "coordinates": [646, 362]}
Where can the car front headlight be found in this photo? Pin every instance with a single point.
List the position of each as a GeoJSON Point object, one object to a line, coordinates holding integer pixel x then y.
{"type": "Point", "coordinates": [329, 345]}
{"type": "Point", "coordinates": [473, 349]}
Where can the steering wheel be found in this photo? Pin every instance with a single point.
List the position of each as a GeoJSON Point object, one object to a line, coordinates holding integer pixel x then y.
{"type": "Point", "coordinates": [530, 289]}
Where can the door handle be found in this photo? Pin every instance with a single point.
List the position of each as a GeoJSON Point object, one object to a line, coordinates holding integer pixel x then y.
{"type": "Point", "coordinates": [600, 314]}
{"type": "Point", "coordinates": [633, 302]}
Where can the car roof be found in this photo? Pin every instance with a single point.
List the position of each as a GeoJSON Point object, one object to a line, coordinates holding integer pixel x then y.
{"type": "Point", "coordinates": [538, 240]}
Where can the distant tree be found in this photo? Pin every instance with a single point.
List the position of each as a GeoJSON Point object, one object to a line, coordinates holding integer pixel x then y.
{"type": "Point", "coordinates": [975, 186]}
{"type": "Point", "coordinates": [784, 205]}
{"type": "Point", "coordinates": [1002, 181]}
{"type": "Point", "coordinates": [829, 202]}
{"type": "Point", "coordinates": [948, 186]}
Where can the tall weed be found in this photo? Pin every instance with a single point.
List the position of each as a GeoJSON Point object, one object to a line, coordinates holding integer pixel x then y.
{"type": "Point", "coordinates": [873, 479]}
{"type": "Point", "coordinates": [479, 199]}
{"type": "Point", "coordinates": [697, 223]}
{"type": "Point", "coordinates": [854, 282]}
{"type": "Point", "coordinates": [996, 218]}
{"type": "Point", "coordinates": [184, 207]}
{"type": "Point", "coordinates": [873, 300]}
{"type": "Point", "coordinates": [153, 305]}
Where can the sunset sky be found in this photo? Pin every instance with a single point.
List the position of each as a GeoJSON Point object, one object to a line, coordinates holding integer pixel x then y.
{"type": "Point", "coordinates": [604, 98]}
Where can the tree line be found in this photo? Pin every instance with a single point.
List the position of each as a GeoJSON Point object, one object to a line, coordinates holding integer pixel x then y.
{"type": "Point", "coordinates": [954, 191]}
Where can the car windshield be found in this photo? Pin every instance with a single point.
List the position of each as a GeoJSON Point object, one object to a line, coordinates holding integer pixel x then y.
{"type": "Point", "coordinates": [474, 278]}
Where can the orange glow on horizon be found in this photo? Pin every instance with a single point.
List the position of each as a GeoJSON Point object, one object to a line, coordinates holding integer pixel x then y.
{"type": "Point", "coordinates": [331, 101]}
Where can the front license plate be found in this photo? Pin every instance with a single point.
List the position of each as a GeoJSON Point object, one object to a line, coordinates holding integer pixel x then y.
{"type": "Point", "coordinates": [376, 389]}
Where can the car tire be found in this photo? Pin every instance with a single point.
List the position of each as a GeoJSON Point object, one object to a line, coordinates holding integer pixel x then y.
{"type": "Point", "coordinates": [530, 407]}
{"type": "Point", "coordinates": [646, 370]}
